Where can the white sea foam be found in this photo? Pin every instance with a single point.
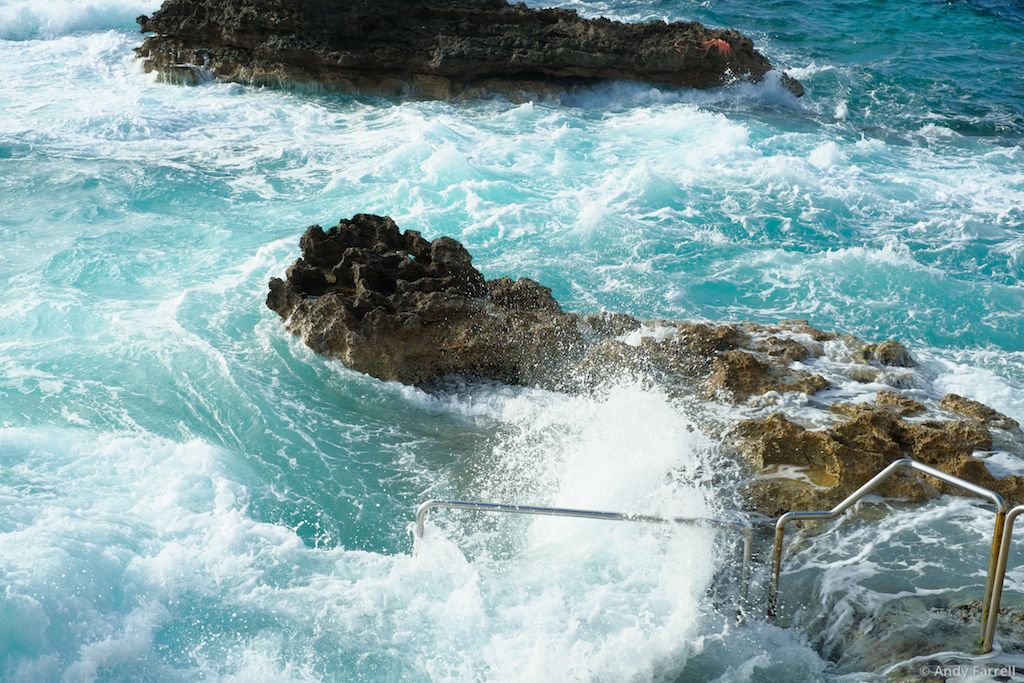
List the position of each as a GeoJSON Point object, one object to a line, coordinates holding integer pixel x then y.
{"type": "Point", "coordinates": [659, 333]}
{"type": "Point", "coordinates": [27, 19]}
{"type": "Point", "coordinates": [825, 156]}
{"type": "Point", "coordinates": [982, 375]}
{"type": "Point", "coordinates": [169, 526]}
{"type": "Point", "coordinates": [621, 95]}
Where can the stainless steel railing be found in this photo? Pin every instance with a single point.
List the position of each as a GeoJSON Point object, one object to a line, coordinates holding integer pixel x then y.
{"type": "Point", "coordinates": [992, 617]}
{"type": "Point", "coordinates": [997, 557]}
{"type": "Point", "coordinates": [1001, 535]}
{"type": "Point", "coordinates": [742, 528]}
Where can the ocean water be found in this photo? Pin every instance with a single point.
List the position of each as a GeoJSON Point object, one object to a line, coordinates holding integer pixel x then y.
{"type": "Point", "coordinates": [187, 493]}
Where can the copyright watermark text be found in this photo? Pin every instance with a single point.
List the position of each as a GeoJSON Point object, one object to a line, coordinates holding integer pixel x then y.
{"type": "Point", "coordinates": [956, 671]}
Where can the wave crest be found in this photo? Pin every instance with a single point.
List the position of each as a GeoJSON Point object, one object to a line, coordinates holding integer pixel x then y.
{"type": "Point", "coordinates": [35, 19]}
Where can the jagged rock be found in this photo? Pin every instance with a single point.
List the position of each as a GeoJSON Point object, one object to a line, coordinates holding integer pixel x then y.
{"type": "Point", "coordinates": [742, 375]}
{"type": "Point", "coordinates": [788, 350]}
{"type": "Point", "coordinates": [890, 353]}
{"type": "Point", "coordinates": [902, 405]}
{"type": "Point", "coordinates": [902, 627]}
{"type": "Point", "coordinates": [800, 326]}
{"type": "Point", "coordinates": [838, 459]}
{"type": "Point", "coordinates": [612, 324]}
{"type": "Point", "coordinates": [398, 307]}
{"type": "Point", "coordinates": [731, 362]}
{"type": "Point", "coordinates": [435, 49]}
{"type": "Point", "coordinates": [979, 411]}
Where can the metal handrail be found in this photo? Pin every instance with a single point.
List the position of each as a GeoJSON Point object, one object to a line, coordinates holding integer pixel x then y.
{"type": "Point", "coordinates": [742, 528]}
{"type": "Point", "coordinates": [992, 595]}
{"type": "Point", "coordinates": [1004, 552]}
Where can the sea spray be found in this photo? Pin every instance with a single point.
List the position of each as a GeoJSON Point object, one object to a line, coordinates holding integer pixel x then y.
{"type": "Point", "coordinates": [34, 19]}
{"type": "Point", "coordinates": [573, 598]}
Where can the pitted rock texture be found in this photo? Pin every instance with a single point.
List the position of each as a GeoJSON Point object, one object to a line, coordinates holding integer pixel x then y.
{"type": "Point", "coordinates": [435, 49]}
{"type": "Point", "coordinates": [978, 411]}
{"type": "Point", "coordinates": [398, 307]}
{"type": "Point", "coordinates": [835, 461]}
{"type": "Point", "coordinates": [395, 306]}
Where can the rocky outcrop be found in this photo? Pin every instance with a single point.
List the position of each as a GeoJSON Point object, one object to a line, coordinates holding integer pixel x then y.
{"type": "Point", "coordinates": [903, 406]}
{"type": "Point", "coordinates": [435, 49]}
{"type": "Point", "coordinates": [889, 352]}
{"type": "Point", "coordinates": [978, 411]}
{"type": "Point", "coordinates": [833, 462]}
{"type": "Point", "coordinates": [399, 307]}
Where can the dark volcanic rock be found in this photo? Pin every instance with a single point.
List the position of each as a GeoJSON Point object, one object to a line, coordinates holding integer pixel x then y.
{"type": "Point", "coordinates": [398, 307]}
{"type": "Point", "coordinates": [435, 49]}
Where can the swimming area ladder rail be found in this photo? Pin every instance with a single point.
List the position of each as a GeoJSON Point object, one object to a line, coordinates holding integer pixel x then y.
{"type": "Point", "coordinates": [997, 556]}
{"type": "Point", "coordinates": [742, 528]}
{"type": "Point", "coordinates": [992, 617]}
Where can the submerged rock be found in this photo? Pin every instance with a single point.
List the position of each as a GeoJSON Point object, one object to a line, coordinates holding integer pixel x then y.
{"type": "Point", "coordinates": [889, 352]}
{"type": "Point", "coordinates": [435, 49]}
{"type": "Point", "coordinates": [399, 307]}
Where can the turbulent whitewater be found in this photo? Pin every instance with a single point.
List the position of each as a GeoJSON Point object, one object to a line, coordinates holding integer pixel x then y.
{"type": "Point", "coordinates": [188, 492]}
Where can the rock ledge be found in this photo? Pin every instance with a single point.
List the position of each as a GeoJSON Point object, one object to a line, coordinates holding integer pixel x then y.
{"type": "Point", "coordinates": [435, 49]}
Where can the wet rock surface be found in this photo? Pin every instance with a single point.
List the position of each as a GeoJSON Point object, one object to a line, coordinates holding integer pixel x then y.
{"type": "Point", "coordinates": [978, 411]}
{"type": "Point", "coordinates": [399, 307]}
{"type": "Point", "coordinates": [435, 49]}
{"type": "Point", "coordinates": [836, 460]}
{"type": "Point", "coordinates": [913, 625]}
{"type": "Point", "coordinates": [395, 306]}
{"type": "Point", "coordinates": [903, 406]}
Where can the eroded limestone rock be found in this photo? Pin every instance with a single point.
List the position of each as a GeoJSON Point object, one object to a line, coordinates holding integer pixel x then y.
{"type": "Point", "coordinates": [902, 405]}
{"type": "Point", "coordinates": [435, 49]}
{"type": "Point", "coordinates": [978, 411]}
{"type": "Point", "coordinates": [835, 461]}
{"type": "Point", "coordinates": [398, 307]}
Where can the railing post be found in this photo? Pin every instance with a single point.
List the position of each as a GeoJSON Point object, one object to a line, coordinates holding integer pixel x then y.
{"type": "Point", "coordinates": [748, 549]}
{"type": "Point", "coordinates": [992, 613]}
{"type": "Point", "coordinates": [773, 586]}
{"type": "Point", "coordinates": [421, 520]}
{"type": "Point", "coordinates": [997, 556]}
{"type": "Point", "coordinates": [993, 564]}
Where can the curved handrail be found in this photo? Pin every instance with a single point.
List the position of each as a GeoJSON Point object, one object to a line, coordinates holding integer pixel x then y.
{"type": "Point", "coordinates": [1004, 552]}
{"type": "Point", "coordinates": [991, 594]}
{"type": "Point", "coordinates": [742, 528]}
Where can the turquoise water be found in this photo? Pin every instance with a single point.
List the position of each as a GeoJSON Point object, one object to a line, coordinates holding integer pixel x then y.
{"type": "Point", "coordinates": [186, 492]}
